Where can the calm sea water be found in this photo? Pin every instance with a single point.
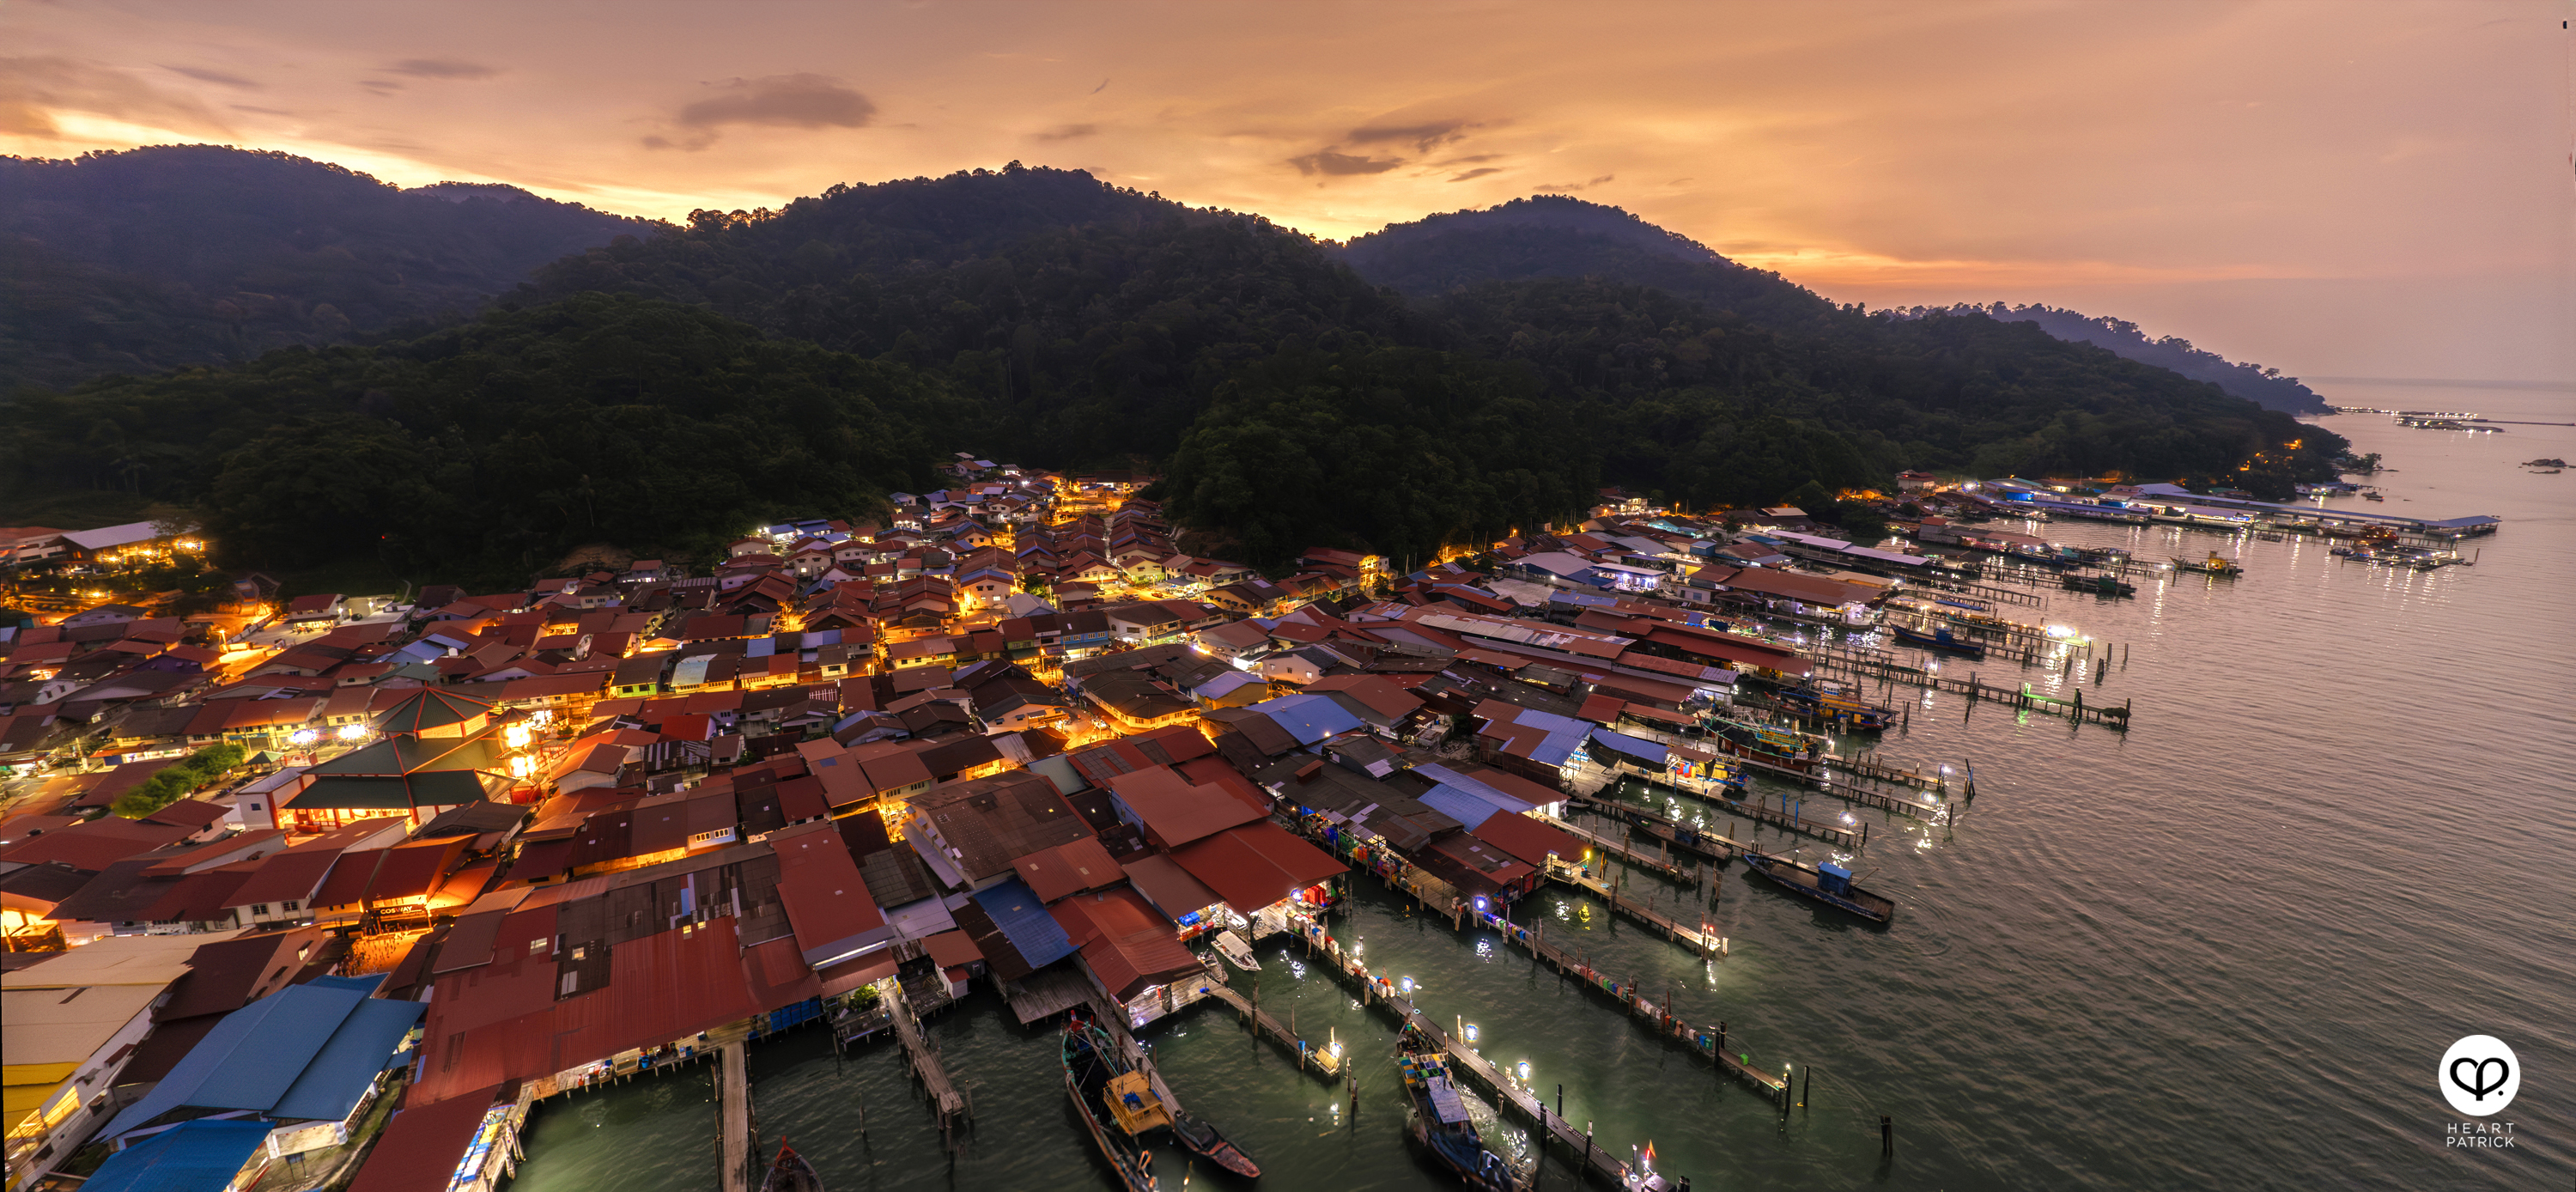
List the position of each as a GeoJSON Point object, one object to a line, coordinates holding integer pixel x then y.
{"type": "Point", "coordinates": [2225, 949]}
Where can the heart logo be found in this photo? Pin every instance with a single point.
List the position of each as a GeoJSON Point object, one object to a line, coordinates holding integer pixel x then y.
{"type": "Point", "coordinates": [2478, 1085]}
{"type": "Point", "coordinates": [2479, 1076]}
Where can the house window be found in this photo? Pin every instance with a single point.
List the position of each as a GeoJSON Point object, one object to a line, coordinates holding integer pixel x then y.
{"type": "Point", "coordinates": [292, 905]}
{"type": "Point", "coordinates": [259, 908]}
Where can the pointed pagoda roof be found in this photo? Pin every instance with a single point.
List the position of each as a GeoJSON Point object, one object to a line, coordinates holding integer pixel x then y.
{"type": "Point", "coordinates": [430, 708]}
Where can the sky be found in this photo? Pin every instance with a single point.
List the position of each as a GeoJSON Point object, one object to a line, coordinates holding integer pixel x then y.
{"type": "Point", "coordinates": [2352, 188]}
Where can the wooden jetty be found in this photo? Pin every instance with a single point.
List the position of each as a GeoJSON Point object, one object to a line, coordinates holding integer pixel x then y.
{"type": "Point", "coordinates": [1922, 809]}
{"type": "Point", "coordinates": [1778, 817]}
{"type": "Point", "coordinates": [1319, 1060]}
{"type": "Point", "coordinates": [1696, 937]}
{"type": "Point", "coordinates": [1980, 591]}
{"type": "Point", "coordinates": [1858, 664]}
{"type": "Point", "coordinates": [733, 1101]}
{"type": "Point", "coordinates": [1044, 995]}
{"type": "Point", "coordinates": [1662, 867]}
{"type": "Point", "coordinates": [945, 1098]}
{"type": "Point", "coordinates": [1593, 1159]}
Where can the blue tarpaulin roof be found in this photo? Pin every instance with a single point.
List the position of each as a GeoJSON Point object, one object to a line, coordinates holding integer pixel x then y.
{"type": "Point", "coordinates": [1462, 806]}
{"type": "Point", "coordinates": [1025, 922]}
{"type": "Point", "coordinates": [284, 1047]}
{"type": "Point", "coordinates": [1652, 753]}
{"type": "Point", "coordinates": [1309, 718]}
{"type": "Point", "coordinates": [1492, 797]}
{"type": "Point", "coordinates": [191, 1158]}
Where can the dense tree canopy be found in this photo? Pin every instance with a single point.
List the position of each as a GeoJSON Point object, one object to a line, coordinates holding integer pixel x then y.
{"type": "Point", "coordinates": [199, 254]}
{"type": "Point", "coordinates": [1437, 382]}
{"type": "Point", "coordinates": [492, 448]}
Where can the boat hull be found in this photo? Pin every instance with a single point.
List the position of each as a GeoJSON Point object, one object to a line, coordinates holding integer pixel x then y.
{"type": "Point", "coordinates": [1801, 882]}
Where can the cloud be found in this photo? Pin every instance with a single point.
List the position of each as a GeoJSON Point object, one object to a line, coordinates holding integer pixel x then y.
{"type": "Point", "coordinates": [1468, 160]}
{"type": "Point", "coordinates": [218, 77]}
{"type": "Point", "coordinates": [33, 89]}
{"type": "Point", "coordinates": [786, 101]}
{"type": "Point", "coordinates": [1424, 137]}
{"type": "Point", "coordinates": [380, 86]}
{"type": "Point", "coordinates": [441, 68]}
{"type": "Point", "coordinates": [243, 107]}
{"type": "Point", "coordinates": [1478, 173]}
{"type": "Point", "coordinates": [1325, 161]}
{"type": "Point", "coordinates": [1571, 187]}
{"type": "Point", "coordinates": [1067, 132]}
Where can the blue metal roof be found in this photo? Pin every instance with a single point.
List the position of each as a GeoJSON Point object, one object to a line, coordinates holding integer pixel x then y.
{"type": "Point", "coordinates": [1652, 752]}
{"type": "Point", "coordinates": [284, 1055]}
{"type": "Point", "coordinates": [1460, 805]}
{"type": "Point", "coordinates": [1492, 796]}
{"type": "Point", "coordinates": [1309, 718]}
{"type": "Point", "coordinates": [192, 1157]}
{"type": "Point", "coordinates": [1025, 922]}
{"type": "Point", "coordinates": [348, 1064]}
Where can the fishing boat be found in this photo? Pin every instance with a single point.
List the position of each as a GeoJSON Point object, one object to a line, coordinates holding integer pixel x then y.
{"type": "Point", "coordinates": [2215, 564]}
{"type": "Point", "coordinates": [1823, 701]}
{"type": "Point", "coordinates": [2372, 497]}
{"type": "Point", "coordinates": [1235, 951]}
{"type": "Point", "coordinates": [2099, 585]}
{"type": "Point", "coordinates": [791, 1173]}
{"type": "Point", "coordinates": [1440, 1123]}
{"type": "Point", "coordinates": [1207, 1142]}
{"type": "Point", "coordinates": [1117, 1103]}
{"type": "Point", "coordinates": [1941, 638]}
{"type": "Point", "coordinates": [1829, 883]}
{"type": "Point", "coordinates": [1762, 743]}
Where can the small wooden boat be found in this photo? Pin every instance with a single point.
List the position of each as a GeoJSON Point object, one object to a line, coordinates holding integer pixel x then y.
{"type": "Point", "coordinates": [1941, 638]}
{"type": "Point", "coordinates": [1115, 1100]}
{"type": "Point", "coordinates": [1829, 884]}
{"type": "Point", "coordinates": [1207, 1142]}
{"type": "Point", "coordinates": [1235, 951]}
{"type": "Point", "coordinates": [791, 1173]}
{"type": "Point", "coordinates": [1440, 1123]}
{"type": "Point", "coordinates": [2372, 497]}
{"type": "Point", "coordinates": [1765, 744]}
{"type": "Point", "coordinates": [2215, 564]}
{"type": "Point", "coordinates": [2099, 585]}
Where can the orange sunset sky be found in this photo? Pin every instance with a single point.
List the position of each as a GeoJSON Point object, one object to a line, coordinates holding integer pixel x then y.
{"type": "Point", "coordinates": [2365, 189]}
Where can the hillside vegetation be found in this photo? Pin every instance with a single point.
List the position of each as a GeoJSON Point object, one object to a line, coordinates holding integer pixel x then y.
{"type": "Point", "coordinates": [1442, 381]}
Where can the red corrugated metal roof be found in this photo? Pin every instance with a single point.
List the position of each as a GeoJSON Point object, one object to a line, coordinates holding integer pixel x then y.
{"type": "Point", "coordinates": [1528, 839]}
{"type": "Point", "coordinates": [1175, 812]}
{"type": "Point", "coordinates": [827, 901]}
{"type": "Point", "coordinates": [1255, 865]}
{"type": "Point", "coordinates": [1065, 869]}
{"type": "Point", "coordinates": [421, 1146]}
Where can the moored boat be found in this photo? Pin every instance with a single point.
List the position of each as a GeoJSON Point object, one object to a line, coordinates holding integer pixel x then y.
{"type": "Point", "coordinates": [1207, 1142]}
{"type": "Point", "coordinates": [1235, 951]}
{"type": "Point", "coordinates": [2216, 564]}
{"type": "Point", "coordinates": [1439, 1121]}
{"type": "Point", "coordinates": [791, 1173]}
{"type": "Point", "coordinates": [2099, 585]}
{"type": "Point", "coordinates": [1829, 883]}
{"type": "Point", "coordinates": [1763, 743]}
{"type": "Point", "coordinates": [1115, 1100]}
{"type": "Point", "coordinates": [1941, 638]}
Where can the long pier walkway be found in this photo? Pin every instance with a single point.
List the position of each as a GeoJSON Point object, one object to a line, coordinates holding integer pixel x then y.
{"type": "Point", "coordinates": [1696, 937]}
{"type": "Point", "coordinates": [1864, 664]}
{"type": "Point", "coordinates": [1600, 1164]}
{"type": "Point", "coordinates": [1778, 817]}
{"type": "Point", "coordinates": [1320, 1060]}
{"type": "Point", "coordinates": [1906, 805]}
{"type": "Point", "coordinates": [1661, 867]}
{"type": "Point", "coordinates": [734, 1102]}
{"type": "Point", "coordinates": [945, 1099]}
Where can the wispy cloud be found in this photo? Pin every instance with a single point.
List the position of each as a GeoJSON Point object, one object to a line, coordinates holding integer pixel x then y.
{"type": "Point", "coordinates": [1330, 163]}
{"type": "Point", "coordinates": [1478, 172]}
{"type": "Point", "coordinates": [1067, 132]}
{"type": "Point", "coordinates": [33, 91]}
{"type": "Point", "coordinates": [217, 77]}
{"type": "Point", "coordinates": [441, 68]}
{"type": "Point", "coordinates": [784, 101]}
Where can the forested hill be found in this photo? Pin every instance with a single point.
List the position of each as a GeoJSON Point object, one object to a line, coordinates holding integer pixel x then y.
{"type": "Point", "coordinates": [1563, 237]}
{"type": "Point", "coordinates": [198, 254]}
{"type": "Point", "coordinates": [1041, 316]}
{"type": "Point", "coordinates": [2265, 387]}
